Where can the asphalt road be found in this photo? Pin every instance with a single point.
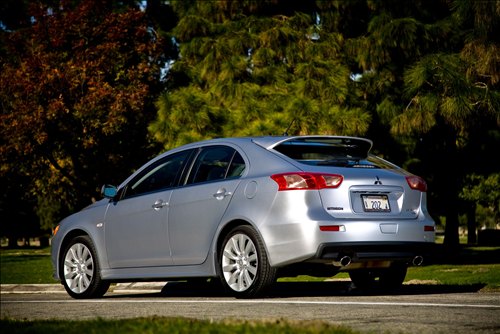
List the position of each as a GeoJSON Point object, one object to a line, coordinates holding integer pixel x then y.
{"type": "Point", "coordinates": [418, 308]}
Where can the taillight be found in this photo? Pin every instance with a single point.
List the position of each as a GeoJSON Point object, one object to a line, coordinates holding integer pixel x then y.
{"type": "Point", "coordinates": [305, 181]}
{"type": "Point", "coordinates": [417, 183]}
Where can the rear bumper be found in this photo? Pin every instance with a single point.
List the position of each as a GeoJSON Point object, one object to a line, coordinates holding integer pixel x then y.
{"type": "Point", "coordinates": [375, 251]}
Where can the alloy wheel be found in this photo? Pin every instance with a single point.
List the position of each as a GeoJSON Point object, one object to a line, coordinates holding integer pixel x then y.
{"type": "Point", "coordinates": [240, 262]}
{"type": "Point", "coordinates": [78, 268]}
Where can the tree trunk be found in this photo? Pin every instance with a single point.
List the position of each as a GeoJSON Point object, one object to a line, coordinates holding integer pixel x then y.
{"type": "Point", "coordinates": [451, 201]}
{"type": "Point", "coordinates": [451, 239]}
{"type": "Point", "coordinates": [471, 224]}
{"type": "Point", "coordinates": [12, 241]}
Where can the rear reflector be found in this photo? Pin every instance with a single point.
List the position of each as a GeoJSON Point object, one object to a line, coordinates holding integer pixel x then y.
{"type": "Point", "coordinates": [429, 228]}
{"type": "Point", "coordinates": [304, 181]}
{"type": "Point", "coordinates": [332, 228]}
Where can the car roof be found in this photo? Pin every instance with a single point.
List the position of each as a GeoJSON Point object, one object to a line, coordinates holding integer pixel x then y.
{"type": "Point", "coordinates": [270, 142]}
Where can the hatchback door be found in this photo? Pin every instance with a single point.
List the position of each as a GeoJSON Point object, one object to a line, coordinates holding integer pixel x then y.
{"type": "Point", "coordinates": [371, 187]}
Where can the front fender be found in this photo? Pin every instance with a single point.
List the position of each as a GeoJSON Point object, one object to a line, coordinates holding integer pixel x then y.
{"type": "Point", "coordinates": [88, 222]}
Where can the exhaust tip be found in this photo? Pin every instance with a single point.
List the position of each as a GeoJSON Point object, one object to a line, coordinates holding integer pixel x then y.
{"type": "Point", "coordinates": [344, 261]}
{"type": "Point", "coordinates": [418, 260]}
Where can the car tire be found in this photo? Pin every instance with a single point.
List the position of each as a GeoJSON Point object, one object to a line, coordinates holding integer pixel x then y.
{"type": "Point", "coordinates": [243, 266]}
{"type": "Point", "coordinates": [80, 270]}
{"type": "Point", "coordinates": [385, 279]}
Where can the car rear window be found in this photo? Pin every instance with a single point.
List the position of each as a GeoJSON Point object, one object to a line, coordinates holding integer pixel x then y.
{"type": "Point", "coordinates": [340, 152]}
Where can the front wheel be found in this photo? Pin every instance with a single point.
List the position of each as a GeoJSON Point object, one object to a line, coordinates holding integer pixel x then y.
{"type": "Point", "coordinates": [243, 265]}
{"type": "Point", "coordinates": [80, 270]}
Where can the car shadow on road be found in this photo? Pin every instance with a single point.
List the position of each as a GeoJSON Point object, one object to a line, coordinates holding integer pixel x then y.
{"type": "Point", "coordinates": [346, 289]}
{"type": "Point", "coordinates": [300, 289]}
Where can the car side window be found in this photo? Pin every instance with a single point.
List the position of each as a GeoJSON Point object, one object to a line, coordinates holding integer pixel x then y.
{"type": "Point", "coordinates": [216, 163]}
{"type": "Point", "coordinates": [163, 174]}
{"type": "Point", "coordinates": [237, 166]}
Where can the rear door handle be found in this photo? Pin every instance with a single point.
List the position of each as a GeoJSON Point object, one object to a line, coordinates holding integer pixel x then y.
{"type": "Point", "coordinates": [221, 193]}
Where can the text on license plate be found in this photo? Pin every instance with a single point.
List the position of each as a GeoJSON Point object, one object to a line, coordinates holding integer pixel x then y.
{"type": "Point", "coordinates": [376, 203]}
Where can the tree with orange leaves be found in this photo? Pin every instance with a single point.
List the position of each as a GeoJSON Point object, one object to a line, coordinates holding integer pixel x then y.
{"type": "Point", "coordinates": [77, 91]}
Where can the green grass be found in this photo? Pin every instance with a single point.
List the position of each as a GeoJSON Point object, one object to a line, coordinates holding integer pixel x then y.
{"type": "Point", "coordinates": [169, 325]}
{"type": "Point", "coordinates": [465, 266]}
{"type": "Point", "coordinates": [25, 266]}
{"type": "Point", "coordinates": [487, 275]}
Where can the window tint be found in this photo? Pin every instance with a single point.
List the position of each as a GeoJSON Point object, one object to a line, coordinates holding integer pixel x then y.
{"type": "Point", "coordinates": [161, 175]}
{"type": "Point", "coordinates": [215, 163]}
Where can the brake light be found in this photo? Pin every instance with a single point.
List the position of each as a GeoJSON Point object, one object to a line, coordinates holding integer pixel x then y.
{"type": "Point", "coordinates": [417, 183]}
{"type": "Point", "coordinates": [306, 181]}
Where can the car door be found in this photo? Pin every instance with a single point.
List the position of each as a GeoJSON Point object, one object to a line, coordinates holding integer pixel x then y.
{"type": "Point", "coordinates": [136, 226]}
{"type": "Point", "coordinates": [197, 208]}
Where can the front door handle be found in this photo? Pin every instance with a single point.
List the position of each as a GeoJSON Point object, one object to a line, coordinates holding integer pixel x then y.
{"type": "Point", "coordinates": [159, 204]}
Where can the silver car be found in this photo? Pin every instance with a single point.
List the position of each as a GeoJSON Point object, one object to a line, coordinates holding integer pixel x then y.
{"type": "Point", "coordinates": [249, 210]}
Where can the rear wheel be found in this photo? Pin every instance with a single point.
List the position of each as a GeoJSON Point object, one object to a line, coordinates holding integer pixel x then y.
{"type": "Point", "coordinates": [81, 271]}
{"type": "Point", "coordinates": [243, 266]}
{"type": "Point", "coordinates": [387, 279]}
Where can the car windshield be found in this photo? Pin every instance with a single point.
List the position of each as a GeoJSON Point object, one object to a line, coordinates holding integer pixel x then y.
{"type": "Point", "coordinates": [340, 152]}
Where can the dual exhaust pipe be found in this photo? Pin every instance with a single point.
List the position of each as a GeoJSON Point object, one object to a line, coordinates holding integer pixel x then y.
{"type": "Point", "coordinates": [344, 261]}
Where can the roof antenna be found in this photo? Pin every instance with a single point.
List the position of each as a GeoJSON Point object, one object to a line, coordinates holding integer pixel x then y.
{"type": "Point", "coordinates": [289, 126]}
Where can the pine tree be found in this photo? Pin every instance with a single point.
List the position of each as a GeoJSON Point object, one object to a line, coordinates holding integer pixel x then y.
{"type": "Point", "coordinates": [257, 68]}
{"type": "Point", "coordinates": [451, 102]}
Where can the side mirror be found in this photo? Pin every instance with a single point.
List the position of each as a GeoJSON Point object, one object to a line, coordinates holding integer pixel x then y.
{"type": "Point", "coordinates": [109, 191]}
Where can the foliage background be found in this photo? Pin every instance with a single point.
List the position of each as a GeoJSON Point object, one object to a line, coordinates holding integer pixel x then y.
{"type": "Point", "coordinates": [92, 89]}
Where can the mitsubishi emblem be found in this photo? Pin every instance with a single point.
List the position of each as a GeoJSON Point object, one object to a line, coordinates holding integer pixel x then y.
{"type": "Point", "coordinates": [378, 180]}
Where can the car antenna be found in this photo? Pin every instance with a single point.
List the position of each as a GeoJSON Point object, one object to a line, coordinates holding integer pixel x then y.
{"type": "Point", "coordinates": [289, 126]}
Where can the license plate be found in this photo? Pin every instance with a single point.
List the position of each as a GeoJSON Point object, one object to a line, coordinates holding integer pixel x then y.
{"type": "Point", "coordinates": [376, 203]}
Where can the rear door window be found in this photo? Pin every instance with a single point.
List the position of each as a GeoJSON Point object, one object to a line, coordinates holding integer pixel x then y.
{"type": "Point", "coordinates": [216, 163]}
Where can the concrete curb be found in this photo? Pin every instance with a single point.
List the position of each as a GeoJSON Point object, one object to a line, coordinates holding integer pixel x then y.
{"type": "Point", "coordinates": [31, 288]}
{"type": "Point", "coordinates": [138, 287]}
